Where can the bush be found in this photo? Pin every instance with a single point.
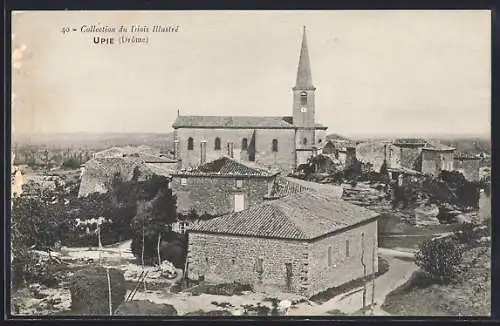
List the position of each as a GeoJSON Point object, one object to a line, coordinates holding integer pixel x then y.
{"type": "Point", "coordinates": [209, 313]}
{"type": "Point", "coordinates": [89, 290]}
{"type": "Point", "coordinates": [145, 308]}
{"type": "Point", "coordinates": [172, 248]}
{"type": "Point", "coordinates": [71, 163]}
{"type": "Point", "coordinates": [439, 258]}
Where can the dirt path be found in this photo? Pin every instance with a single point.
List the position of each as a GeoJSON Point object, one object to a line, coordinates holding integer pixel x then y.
{"type": "Point", "coordinates": [399, 272]}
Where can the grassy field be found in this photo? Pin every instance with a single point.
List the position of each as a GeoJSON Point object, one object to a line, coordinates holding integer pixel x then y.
{"type": "Point", "coordinates": [469, 296]}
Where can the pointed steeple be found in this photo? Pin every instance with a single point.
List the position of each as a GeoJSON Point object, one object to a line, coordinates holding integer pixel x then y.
{"type": "Point", "coordinates": [304, 79]}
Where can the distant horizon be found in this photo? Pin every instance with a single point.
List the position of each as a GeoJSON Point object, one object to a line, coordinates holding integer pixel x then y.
{"type": "Point", "coordinates": [351, 136]}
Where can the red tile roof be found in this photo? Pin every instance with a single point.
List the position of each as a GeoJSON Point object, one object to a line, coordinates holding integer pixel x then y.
{"type": "Point", "coordinates": [301, 216]}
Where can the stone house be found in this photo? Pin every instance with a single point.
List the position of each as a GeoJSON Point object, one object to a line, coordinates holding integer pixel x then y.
{"type": "Point", "coordinates": [468, 165]}
{"type": "Point", "coordinates": [436, 158]}
{"type": "Point", "coordinates": [283, 142]}
{"type": "Point", "coordinates": [97, 174]}
{"type": "Point", "coordinates": [304, 243]}
{"type": "Point", "coordinates": [221, 186]}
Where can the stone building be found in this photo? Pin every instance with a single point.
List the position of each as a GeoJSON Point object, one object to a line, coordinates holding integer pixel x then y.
{"type": "Point", "coordinates": [304, 243]}
{"type": "Point", "coordinates": [275, 141]}
{"type": "Point", "coordinates": [437, 158]}
{"type": "Point", "coordinates": [468, 165]}
{"type": "Point", "coordinates": [98, 173]}
{"type": "Point", "coordinates": [221, 186]}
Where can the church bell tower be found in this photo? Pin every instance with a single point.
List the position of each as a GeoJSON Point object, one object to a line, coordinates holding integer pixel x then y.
{"type": "Point", "coordinates": [303, 101]}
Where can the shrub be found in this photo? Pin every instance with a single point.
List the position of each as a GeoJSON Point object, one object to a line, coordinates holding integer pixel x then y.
{"type": "Point", "coordinates": [439, 258]}
{"type": "Point", "coordinates": [145, 308]}
{"type": "Point", "coordinates": [172, 248]}
{"type": "Point", "coordinates": [209, 313]}
{"type": "Point", "coordinates": [71, 163]}
{"type": "Point", "coordinates": [89, 290]}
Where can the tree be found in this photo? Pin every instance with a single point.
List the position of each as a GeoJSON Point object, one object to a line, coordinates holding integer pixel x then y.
{"type": "Point", "coordinates": [439, 258]}
{"type": "Point", "coordinates": [70, 163]}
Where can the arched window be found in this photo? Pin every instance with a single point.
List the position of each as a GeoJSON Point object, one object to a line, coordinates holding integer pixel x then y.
{"type": "Point", "coordinates": [217, 144]}
{"type": "Point", "coordinates": [304, 141]}
{"type": "Point", "coordinates": [303, 98]}
{"type": "Point", "coordinates": [190, 143]}
{"type": "Point", "coordinates": [275, 145]}
{"type": "Point", "coordinates": [244, 144]}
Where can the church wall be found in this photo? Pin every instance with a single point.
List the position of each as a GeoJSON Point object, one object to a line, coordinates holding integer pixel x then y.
{"type": "Point", "coordinates": [285, 157]}
{"type": "Point", "coordinates": [262, 143]}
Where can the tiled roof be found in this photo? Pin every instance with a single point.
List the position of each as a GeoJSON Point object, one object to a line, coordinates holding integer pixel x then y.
{"type": "Point", "coordinates": [195, 121]}
{"type": "Point", "coordinates": [192, 121]}
{"type": "Point", "coordinates": [466, 156]}
{"type": "Point", "coordinates": [301, 216]}
{"type": "Point", "coordinates": [435, 146]}
{"type": "Point", "coordinates": [287, 185]}
{"type": "Point", "coordinates": [226, 166]}
{"type": "Point", "coordinates": [409, 141]}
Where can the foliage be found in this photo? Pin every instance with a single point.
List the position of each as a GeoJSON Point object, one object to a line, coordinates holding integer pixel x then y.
{"type": "Point", "coordinates": [226, 289]}
{"type": "Point", "coordinates": [145, 308]}
{"type": "Point", "coordinates": [71, 163]}
{"type": "Point", "coordinates": [173, 247]}
{"type": "Point", "coordinates": [439, 258]}
{"type": "Point", "coordinates": [90, 292]}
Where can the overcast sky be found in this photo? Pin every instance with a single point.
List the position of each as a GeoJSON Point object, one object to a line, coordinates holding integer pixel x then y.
{"type": "Point", "coordinates": [376, 72]}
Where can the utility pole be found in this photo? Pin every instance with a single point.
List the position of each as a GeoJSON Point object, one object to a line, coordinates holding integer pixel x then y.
{"type": "Point", "coordinates": [373, 272]}
{"type": "Point", "coordinates": [364, 268]}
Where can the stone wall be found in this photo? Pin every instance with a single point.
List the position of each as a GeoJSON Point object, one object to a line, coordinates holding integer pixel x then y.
{"type": "Point", "coordinates": [469, 167]}
{"type": "Point", "coordinates": [409, 156]}
{"type": "Point", "coordinates": [223, 259]}
{"type": "Point", "coordinates": [433, 162]}
{"type": "Point", "coordinates": [284, 158]}
{"type": "Point", "coordinates": [215, 195]}
{"type": "Point", "coordinates": [343, 268]}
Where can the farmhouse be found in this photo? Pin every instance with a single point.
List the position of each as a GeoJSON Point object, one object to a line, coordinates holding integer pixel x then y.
{"type": "Point", "coordinates": [304, 243]}
{"type": "Point", "coordinates": [283, 142]}
{"type": "Point", "coordinates": [98, 173]}
{"type": "Point", "coordinates": [221, 186]}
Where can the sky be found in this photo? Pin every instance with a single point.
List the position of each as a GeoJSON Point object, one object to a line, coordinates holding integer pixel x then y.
{"type": "Point", "coordinates": [377, 72]}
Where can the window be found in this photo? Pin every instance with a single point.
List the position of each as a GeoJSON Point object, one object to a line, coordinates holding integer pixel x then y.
{"type": "Point", "coordinates": [275, 145]}
{"type": "Point", "coordinates": [190, 144]}
{"type": "Point", "coordinates": [244, 144]}
{"type": "Point", "coordinates": [304, 141]}
{"type": "Point", "coordinates": [184, 181]}
{"type": "Point", "coordinates": [347, 253]}
{"type": "Point", "coordinates": [217, 144]}
{"type": "Point", "coordinates": [239, 183]}
{"type": "Point", "coordinates": [319, 141]}
{"type": "Point", "coordinates": [330, 256]}
{"type": "Point", "coordinates": [303, 98]}
{"type": "Point", "coordinates": [233, 261]}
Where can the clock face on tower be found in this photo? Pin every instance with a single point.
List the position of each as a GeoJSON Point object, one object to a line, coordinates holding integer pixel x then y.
{"type": "Point", "coordinates": [303, 109]}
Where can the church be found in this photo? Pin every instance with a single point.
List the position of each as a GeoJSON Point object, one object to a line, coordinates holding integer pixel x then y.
{"type": "Point", "coordinates": [277, 142]}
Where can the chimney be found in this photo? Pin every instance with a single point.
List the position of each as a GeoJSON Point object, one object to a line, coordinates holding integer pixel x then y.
{"type": "Point", "coordinates": [176, 149]}
{"type": "Point", "coordinates": [203, 151]}
{"type": "Point", "coordinates": [270, 186]}
{"type": "Point", "coordinates": [230, 151]}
